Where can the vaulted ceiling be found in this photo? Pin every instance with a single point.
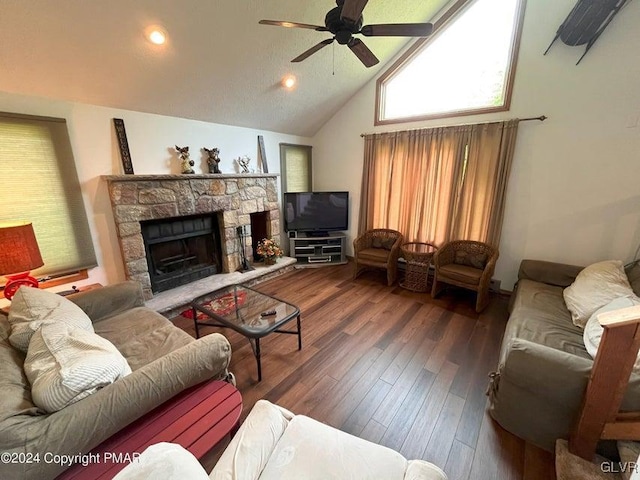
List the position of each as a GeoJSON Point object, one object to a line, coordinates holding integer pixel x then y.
{"type": "Point", "coordinates": [219, 65]}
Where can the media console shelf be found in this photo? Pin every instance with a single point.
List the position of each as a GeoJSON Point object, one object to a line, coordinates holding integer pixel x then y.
{"type": "Point", "coordinates": [317, 251]}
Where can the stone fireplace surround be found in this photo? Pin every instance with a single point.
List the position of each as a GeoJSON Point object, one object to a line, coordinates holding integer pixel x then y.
{"type": "Point", "coordinates": [233, 198]}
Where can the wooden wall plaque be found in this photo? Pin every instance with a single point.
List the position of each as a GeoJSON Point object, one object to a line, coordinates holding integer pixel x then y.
{"type": "Point", "coordinates": [125, 155]}
{"type": "Point", "coordinates": [262, 155]}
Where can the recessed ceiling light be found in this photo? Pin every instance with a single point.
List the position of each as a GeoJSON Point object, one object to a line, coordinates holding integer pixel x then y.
{"type": "Point", "coordinates": [156, 35]}
{"type": "Point", "coordinates": [289, 82]}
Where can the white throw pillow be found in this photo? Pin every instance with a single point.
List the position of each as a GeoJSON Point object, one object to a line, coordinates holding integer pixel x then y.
{"type": "Point", "coordinates": [65, 364]}
{"type": "Point", "coordinates": [31, 307]}
{"type": "Point", "coordinates": [593, 331]}
{"type": "Point", "coordinates": [164, 461]}
{"type": "Point", "coordinates": [594, 287]}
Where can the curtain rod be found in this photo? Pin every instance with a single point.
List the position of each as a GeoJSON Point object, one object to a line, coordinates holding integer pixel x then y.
{"type": "Point", "coordinates": [541, 118]}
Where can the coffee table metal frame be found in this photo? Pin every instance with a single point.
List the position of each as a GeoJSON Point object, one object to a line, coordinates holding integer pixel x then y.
{"type": "Point", "coordinates": [252, 334]}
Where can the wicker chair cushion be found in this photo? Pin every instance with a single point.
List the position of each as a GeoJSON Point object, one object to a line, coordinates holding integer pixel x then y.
{"type": "Point", "coordinates": [380, 255]}
{"type": "Point", "coordinates": [475, 260]}
{"type": "Point", "coordinates": [461, 273]}
{"type": "Point", "coordinates": [383, 242]}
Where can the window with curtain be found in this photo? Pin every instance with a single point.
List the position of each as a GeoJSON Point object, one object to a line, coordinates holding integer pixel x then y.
{"type": "Point", "coordinates": [40, 185]}
{"type": "Point", "coordinates": [295, 168]}
{"type": "Point", "coordinates": [465, 67]}
{"type": "Point", "coordinates": [438, 184]}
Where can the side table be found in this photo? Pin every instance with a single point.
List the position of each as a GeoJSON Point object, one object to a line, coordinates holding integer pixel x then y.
{"type": "Point", "coordinates": [418, 256]}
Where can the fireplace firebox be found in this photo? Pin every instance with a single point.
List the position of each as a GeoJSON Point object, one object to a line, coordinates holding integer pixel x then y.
{"type": "Point", "coordinates": [180, 250]}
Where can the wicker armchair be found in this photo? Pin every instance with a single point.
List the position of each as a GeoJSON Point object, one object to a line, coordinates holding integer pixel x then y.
{"type": "Point", "coordinates": [378, 248]}
{"type": "Point", "coordinates": [467, 264]}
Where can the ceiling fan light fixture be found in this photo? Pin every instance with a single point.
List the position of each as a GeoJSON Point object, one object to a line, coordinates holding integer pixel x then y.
{"type": "Point", "coordinates": [289, 82]}
{"type": "Point", "coordinates": [156, 34]}
{"type": "Point", "coordinates": [346, 20]}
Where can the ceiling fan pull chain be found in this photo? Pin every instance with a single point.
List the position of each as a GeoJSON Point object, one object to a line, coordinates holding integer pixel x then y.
{"type": "Point", "coordinates": [333, 60]}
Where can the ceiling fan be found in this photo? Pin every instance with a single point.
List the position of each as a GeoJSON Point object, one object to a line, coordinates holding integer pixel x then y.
{"type": "Point", "coordinates": [345, 21]}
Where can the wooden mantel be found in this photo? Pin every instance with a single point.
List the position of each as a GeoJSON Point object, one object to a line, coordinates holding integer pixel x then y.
{"type": "Point", "coordinates": [160, 177]}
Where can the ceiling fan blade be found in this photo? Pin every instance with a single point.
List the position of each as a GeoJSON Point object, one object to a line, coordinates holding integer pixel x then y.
{"type": "Point", "coordinates": [397, 30]}
{"type": "Point", "coordinates": [280, 23]}
{"type": "Point", "coordinates": [352, 9]}
{"type": "Point", "coordinates": [313, 50]}
{"type": "Point", "coordinates": [365, 55]}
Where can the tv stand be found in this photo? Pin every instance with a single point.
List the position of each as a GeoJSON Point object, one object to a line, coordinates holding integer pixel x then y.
{"type": "Point", "coordinates": [317, 234]}
{"type": "Point", "coordinates": [314, 251]}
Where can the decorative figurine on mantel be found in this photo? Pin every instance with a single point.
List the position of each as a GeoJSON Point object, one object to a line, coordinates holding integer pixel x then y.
{"type": "Point", "coordinates": [213, 160]}
{"type": "Point", "coordinates": [187, 163]}
{"type": "Point", "coordinates": [243, 162]}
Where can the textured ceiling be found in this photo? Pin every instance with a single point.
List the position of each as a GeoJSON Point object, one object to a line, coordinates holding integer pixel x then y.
{"type": "Point", "coordinates": [219, 65]}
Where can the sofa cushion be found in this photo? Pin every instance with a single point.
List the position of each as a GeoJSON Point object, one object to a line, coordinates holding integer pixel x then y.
{"type": "Point", "coordinates": [142, 335]}
{"type": "Point", "coordinates": [593, 330]}
{"type": "Point", "coordinates": [16, 391]}
{"type": "Point", "coordinates": [312, 450]}
{"type": "Point", "coordinates": [164, 461]}
{"type": "Point", "coordinates": [65, 364]}
{"type": "Point", "coordinates": [594, 287]}
{"type": "Point", "coordinates": [250, 449]}
{"type": "Point", "coordinates": [630, 455]}
{"type": "Point", "coordinates": [461, 273]}
{"type": "Point", "coordinates": [31, 307]}
{"type": "Point", "coordinates": [541, 316]}
{"type": "Point", "coordinates": [559, 274]}
{"type": "Point", "coordinates": [272, 443]}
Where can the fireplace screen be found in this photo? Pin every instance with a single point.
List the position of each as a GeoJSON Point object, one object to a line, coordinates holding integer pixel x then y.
{"type": "Point", "coordinates": [181, 250]}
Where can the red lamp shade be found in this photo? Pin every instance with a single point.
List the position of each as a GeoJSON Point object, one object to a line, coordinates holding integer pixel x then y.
{"type": "Point", "coordinates": [19, 253]}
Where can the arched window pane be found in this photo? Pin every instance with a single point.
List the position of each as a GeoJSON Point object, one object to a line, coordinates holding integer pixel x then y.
{"type": "Point", "coordinates": [462, 69]}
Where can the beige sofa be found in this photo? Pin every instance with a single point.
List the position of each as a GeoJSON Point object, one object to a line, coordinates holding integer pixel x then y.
{"type": "Point", "coordinates": [275, 444]}
{"type": "Point", "coordinates": [538, 388]}
{"type": "Point", "coordinates": [164, 359]}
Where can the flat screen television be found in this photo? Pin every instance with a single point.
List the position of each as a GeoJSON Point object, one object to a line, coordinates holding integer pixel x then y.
{"type": "Point", "coordinates": [316, 212]}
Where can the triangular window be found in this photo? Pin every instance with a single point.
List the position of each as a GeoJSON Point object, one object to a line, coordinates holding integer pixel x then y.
{"type": "Point", "coordinates": [466, 67]}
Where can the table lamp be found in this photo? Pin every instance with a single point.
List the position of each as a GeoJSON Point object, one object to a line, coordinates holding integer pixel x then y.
{"type": "Point", "coordinates": [19, 254]}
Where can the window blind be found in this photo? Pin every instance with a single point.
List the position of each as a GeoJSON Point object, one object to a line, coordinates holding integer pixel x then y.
{"type": "Point", "coordinates": [40, 185]}
{"type": "Point", "coordinates": [296, 167]}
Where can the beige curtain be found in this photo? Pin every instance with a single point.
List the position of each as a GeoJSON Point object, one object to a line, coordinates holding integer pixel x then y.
{"type": "Point", "coordinates": [408, 181]}
{"type": "Point", "coordinates": [479, 204]}
{"type": "Point", "coordinates": [438, 184]}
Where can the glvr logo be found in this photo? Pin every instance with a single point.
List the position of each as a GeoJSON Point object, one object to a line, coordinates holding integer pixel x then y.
{"type": "Point", "coordinates": [619, 467]}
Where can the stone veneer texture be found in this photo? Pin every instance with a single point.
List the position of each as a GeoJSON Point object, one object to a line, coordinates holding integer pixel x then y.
{"type": "Point", "coordinates": [135, 198]}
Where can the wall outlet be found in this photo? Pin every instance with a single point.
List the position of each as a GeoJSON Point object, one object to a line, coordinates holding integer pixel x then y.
{"type": "Point", "coordinates": [494, 286]}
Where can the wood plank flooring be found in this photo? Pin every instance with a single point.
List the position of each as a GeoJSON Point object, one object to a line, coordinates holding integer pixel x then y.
{"type": "Point", "coordinates": [391, 366]}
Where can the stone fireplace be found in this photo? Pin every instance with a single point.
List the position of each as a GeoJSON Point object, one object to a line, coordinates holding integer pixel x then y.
{"type": "Point", "coordinates": [169, 204]}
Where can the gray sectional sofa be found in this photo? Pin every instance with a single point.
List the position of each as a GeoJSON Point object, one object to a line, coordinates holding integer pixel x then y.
{"type": "Point", "coordinates": [164, 359]}
{"type": "Point", "coordinates": [538, 388]}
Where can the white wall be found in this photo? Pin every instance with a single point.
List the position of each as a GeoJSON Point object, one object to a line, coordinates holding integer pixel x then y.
{"type": "Point", "coordinates": [574, 191]}
{"type": "Point", "coordinates": [151, 142]}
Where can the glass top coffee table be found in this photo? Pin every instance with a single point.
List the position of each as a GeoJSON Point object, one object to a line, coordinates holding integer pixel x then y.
{"type": "Point", "coordinates": [248, 312]}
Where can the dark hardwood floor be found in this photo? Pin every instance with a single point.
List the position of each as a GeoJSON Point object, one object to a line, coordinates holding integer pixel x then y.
{"type": "Point", "coordinates": [391, 366]}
